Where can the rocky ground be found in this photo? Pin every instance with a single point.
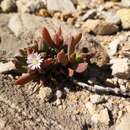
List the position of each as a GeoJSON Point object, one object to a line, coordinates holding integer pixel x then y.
{"type": "Point", "coordinates": [105, 25]}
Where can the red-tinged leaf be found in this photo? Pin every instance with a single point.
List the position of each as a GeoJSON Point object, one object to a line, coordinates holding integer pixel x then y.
{"type": "Point", "coordinates": [29, 50]}
{"type": "Point", "coordinates": [61, 57]}
{"type": "Point", "coordinates": [72, 43]}
{"type": "Point", "coordinates": [47, 62]}
{"type": "Point", "coordinates": [71, 46]}
{"type": "Point", "coordinates": [26, 78]}
{"type": "Point", "coordinates": [47, 37]}
{"type": "Point", "coordinates": [81, 67]}
{"type": "Point", "coordinates": [58, 38]}
{"type": "Point", "coordinates": [70, 72]}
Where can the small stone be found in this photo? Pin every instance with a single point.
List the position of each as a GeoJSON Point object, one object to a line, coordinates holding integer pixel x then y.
{"type": "Point", "coordinates": [120, 67]}
{"type": "Point", "coordinates": [57, 15]}
{"type": "Point", "coordinates": [89, 15]}
{"type": "Point", "coordinates": [25, 6]}
{"type": "Point", "coordinates": [123, 123]}
{"type": "Point", "coordinates": [96, 99]}
{"type": "Point", "coordinates": [95, 118]}
{"type": "Point", "coordinates": [123, 88]}
{"type": "Point", "coordinates": [91, 108]}
{"type": "Point", "coordinates": [104, 116]}
{"type": "Point", "coordinates": [58, 102]}
{"type": "Point", "coordinates": [15, 25]}
{"type": "Point", "coordinates": [8, 5]}
{"type": "Point", "coordinates": [125, 3]}
{"type": "Point", "coordinates": [124, 15]}
{"type": "Point", "coordinates": [43, 12]}
{"type": "Point", "coordinates": [66, 89]}
{"type": "Point", "coordinates": [99, 27]}
{"type": "Point", "coordinates": [71, 21]}
{"type": "Point", "coordinates": [60, 5]}
{"type": "Point", "coordinates": [109, 82]}
{"type": "Point", "coordinates": [59, 94]}
{"type": "Point", "coordinates": [77, 25]}
{"type": "Point", "coordinates": [6, 67]}
{"type": "Point", "coordinates": [110, 17]}
{"type": "Point", "coordinates": [113, 47]}
{"type": "Point", "coordinates": [45, 93]}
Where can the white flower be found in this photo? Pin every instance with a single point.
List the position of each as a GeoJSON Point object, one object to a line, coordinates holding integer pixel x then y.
{"type": "Point", "coordinates": [34, 61]}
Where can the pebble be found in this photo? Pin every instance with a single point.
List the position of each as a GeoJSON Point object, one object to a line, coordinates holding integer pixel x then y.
{"type": "Point", "coordinates": [125, 3]}
{"type": "Point", "coordinates": [110, 17]}
{"type": "Point", "coordinates": [120, 67]}
{"type": "Point", "coordinates": [113, 47]}
{"type": "Point", "coordinates": [60, 5]}
{"type": "Point", "coordinates": [6, 67]}
{"type": "Point", "coordinates": [59, 94]}
{"type": "Point", "coordinates": [90, 14]}
{"type": "Point", "coordinates": [123, 123]}
{"type": "Point", "coordinates": [8, 5]}
{"type": "Point", "coordinates": [15, 25]}
{"type": "Point", "coordinates": [124, 15]}
{"type": "Point", "coordinates": [30, 6]}
{"type": "Point", "coordinates": [99, 27]}
{"type": "Point", "coordinates": [45, 93]}
{"type": "Point", "coordinates": [96, 99]}
{"type": "Point", "coordinates": [91, 108]}
{"type": "Point", "coordinates": [104, 116]}
{"type": "Point", "coordinates": [43, 12]}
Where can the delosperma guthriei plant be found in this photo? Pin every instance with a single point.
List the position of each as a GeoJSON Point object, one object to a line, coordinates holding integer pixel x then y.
{"type": "Point", "coordinates": [51, 59]}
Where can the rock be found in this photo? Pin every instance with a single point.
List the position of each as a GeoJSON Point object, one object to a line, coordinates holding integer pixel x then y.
{"type": "Point", "coordinates": [99, 27]}
{"type": "Point", "coordinates": [125, 3]}
{"type": "Point", "coordinates": [95, 118]}
{"type": "Point", "coordinates": [89, 14]}
{"type": "Point", "coordinates": [58, 5]}
{"type": "Point", "coordinates": [113, 47]}
{"type": "Point", "coordinates": [6, 67]}
{"type": "Point", "coordinates": [110, 17]}
{"type": "Point", "coordinates": [120, 67]}
{"type": "Point", "coordinates": [15, 25]}
{"type": "Point", "coordinates": [91, 108]}
{"type": "Point", "coordinates": [45, 93]}
{"type": "Point", "coordinates": [124, 123]}
{"type": "Point", "coordinates": [25, 6]}
{"type": "Point", "coordinates": [104, 116]}
{"type": "Point", "coordinates": [8, 5]}
{"type": "Point", "coordinates": [124, 15]}
{"type": "Point", "coordinates": [59, 94]}
{"type": "Point", "coordinates": [96, 99]}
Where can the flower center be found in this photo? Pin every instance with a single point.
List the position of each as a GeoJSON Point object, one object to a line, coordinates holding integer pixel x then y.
{"type": "Point", "coordinates": [35, 61]}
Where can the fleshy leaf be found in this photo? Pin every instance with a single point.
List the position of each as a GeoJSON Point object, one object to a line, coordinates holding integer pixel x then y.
{"type": "Point", "coordinates": [26, 78]}
{"type": "Point", "coordinates": [72, 43]}
{"type": "Point", "coordinates": [47, 62]}
{"type": "Point", "coordinates": [47, 37]}
{"type": "Point", "coordinates": [71, 46]}
{"type": "Point", "coordinates": [70, 72]}
{"type": "Point", "coordinates": [81, 67]}
{"type": "Point", "coordinates": [61, 57]}
{"type": "Point", "coordinates": [58, 38]}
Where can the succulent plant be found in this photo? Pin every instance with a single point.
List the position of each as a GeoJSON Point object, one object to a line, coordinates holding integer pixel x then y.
{"type": "Point", "coordinates": [50, 59]}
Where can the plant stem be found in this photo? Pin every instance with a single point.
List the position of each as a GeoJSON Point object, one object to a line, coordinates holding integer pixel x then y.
{"type": "Point", "coordinates": [102, 89]}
